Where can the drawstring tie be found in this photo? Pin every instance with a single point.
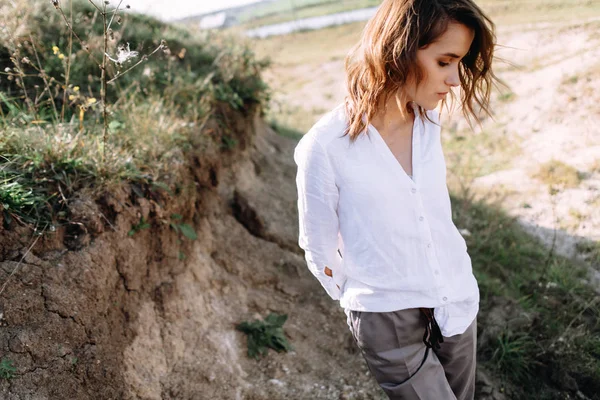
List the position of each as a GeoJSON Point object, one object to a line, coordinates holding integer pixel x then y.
{"type": "Point", "coordinates": [433, 335]}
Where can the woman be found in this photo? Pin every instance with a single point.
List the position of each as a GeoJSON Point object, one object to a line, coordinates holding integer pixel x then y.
{"type": "Point", "coordinates": [375, 218]}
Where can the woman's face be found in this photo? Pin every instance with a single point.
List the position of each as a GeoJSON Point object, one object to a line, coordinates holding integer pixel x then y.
{"type": "Point", "coordinates": [439, 63]}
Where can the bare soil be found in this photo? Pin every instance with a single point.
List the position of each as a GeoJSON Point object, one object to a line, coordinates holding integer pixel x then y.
{"type": "Point", "coordinates": [105, 315]}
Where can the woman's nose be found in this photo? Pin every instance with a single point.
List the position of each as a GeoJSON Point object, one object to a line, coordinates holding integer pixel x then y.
{"type": "Point", "coordinates": [453, 79]}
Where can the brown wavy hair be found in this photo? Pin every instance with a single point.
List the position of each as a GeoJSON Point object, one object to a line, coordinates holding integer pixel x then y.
{"type": "Point", "coordinates": [386, 56]}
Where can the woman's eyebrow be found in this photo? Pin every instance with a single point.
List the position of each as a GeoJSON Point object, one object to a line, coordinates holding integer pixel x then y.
{"type": "Point", "coordinates": [452, 55]}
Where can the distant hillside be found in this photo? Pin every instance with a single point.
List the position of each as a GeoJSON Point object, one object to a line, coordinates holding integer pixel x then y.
{"type": "Point", "coordinates": [233, 15]}
{"type": "Point", "coordinates": [269, 12]}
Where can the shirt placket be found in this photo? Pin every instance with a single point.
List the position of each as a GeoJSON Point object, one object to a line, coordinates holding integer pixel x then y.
{"type": "Point", "coordinates": [423, 223]}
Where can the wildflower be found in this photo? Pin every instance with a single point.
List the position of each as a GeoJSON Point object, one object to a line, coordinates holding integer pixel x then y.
{"type": "Point", "coordinates": [56, 3]}
{"type": "Point", "coordinates": [91, 100]}
{"type": "Point", "coordinates": [71, 97]}
{"type": "Point", "coordinates": [25, 60]}
{"type": "Point", "coordinates": [76, 89]}
{"type": "Point", "coordinates": [55, 49]}
{"type": "Point", "coordinates": [123, 54]}
{"type": "Point", "coordinates": [61, 56]}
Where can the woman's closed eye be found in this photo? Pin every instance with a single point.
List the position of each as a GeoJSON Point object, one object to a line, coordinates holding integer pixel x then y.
{"type": "Point", "coordinates": [443, 64]}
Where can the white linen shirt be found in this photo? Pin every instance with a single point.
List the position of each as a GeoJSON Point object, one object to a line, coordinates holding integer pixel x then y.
{"type": "Point", "coordinates": [389, 240]}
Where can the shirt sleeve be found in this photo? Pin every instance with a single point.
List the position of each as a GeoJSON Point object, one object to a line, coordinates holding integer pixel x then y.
{"type": "Point", "coordinates": [317, 208]}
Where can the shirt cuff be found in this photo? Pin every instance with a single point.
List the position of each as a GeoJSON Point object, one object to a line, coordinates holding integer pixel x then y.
{"type": "Point", "coordinates": [334, 285]}
{"type": "Point", "coordinates": [332, 289]}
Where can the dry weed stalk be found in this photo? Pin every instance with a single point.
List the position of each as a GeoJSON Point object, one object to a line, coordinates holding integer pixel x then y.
{"type": "Point", "coordinates": [18, 74]}
{"type": "Point", "coordinates": [42, 73]}
{"type": "Point", "coordinates": [124, 56]}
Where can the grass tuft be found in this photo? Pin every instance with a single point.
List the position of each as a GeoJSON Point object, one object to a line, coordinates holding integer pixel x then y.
{"type": "Point", "coordinates": [69, 125]}
{"type": "Point", "coordinates": [557, 174]}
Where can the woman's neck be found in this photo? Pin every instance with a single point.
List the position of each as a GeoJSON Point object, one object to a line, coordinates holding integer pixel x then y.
{"type": "Point", "coordinates": [393, 120]}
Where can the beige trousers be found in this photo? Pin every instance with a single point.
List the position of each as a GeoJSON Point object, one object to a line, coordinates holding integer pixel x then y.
{"type": "Point", "coordinates": [392, 345]}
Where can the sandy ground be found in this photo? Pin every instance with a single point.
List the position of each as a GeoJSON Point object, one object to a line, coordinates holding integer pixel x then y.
{"type": "Point", "coordinates": [554, 115]}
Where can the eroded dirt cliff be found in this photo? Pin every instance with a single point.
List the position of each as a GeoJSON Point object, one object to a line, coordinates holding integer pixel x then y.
{"type": "Point", "coordinates": [94, 313]}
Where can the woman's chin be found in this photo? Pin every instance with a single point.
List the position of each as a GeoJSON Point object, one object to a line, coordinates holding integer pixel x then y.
{"type": "Point", "coordinates": [428, 106]}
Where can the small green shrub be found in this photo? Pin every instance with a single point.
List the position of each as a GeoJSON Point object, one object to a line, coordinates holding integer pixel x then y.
{"type": "Point", "coordinates": [266, 334]}
{"type": "Point", "coordinates": [143, 224]}
{"type": "Point", "coordinates": [185, 229]}
{"type": "Point", "coordinates": [6, 369]}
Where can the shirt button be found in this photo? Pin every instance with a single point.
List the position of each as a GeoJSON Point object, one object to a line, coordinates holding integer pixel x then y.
{"type": "Point", "coordinates": [414, 190]}
{"type": "Point", "coordinates": [437, 272]}
{"type": "Point", "coordinates": [445, 299]}
{"type": "Point", "coordinates": [428, 245]}
{"type": "Point", "coordinates": [421, 218]}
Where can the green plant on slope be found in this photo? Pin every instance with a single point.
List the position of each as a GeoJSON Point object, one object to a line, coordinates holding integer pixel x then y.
{"type": "Point", "coordinates": [512, 355]}
{"type": "Point", "coordinates": [6, 369]}
{"type": "Point", "coordinates": [266, 334]}
{"type": "Point", "coordinates": [185, 229]}
{"type": "Point", "coordinates": [143, 224]}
